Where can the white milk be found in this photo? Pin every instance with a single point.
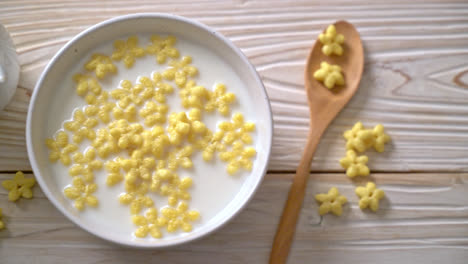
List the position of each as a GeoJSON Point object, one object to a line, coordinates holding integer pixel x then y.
{"type": "Point", "coordinates": [213, 188]}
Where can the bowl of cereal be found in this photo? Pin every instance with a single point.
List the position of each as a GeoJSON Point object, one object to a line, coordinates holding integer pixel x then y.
{"type": "Point", "coordinates": [149, 130]}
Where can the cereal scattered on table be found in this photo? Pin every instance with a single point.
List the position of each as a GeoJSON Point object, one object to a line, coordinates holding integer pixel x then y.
{"type": "Point", "coordinates": [355, 165]}
{"type": "Point", "coordinates": [19, 187]}
{"type": "Point", "coordinates": [369, 196]}
{"type": "Point", "coordinates": [331, 202]}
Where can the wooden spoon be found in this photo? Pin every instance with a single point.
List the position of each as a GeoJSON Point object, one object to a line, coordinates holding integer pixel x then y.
{"type": "Point", "coordinates": [324, 105]}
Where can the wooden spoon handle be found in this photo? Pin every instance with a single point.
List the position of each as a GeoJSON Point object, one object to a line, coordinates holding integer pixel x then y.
{"type": "Point", "coordinates": [287, 226]}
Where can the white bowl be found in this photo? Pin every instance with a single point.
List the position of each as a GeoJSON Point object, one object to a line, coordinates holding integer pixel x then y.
{"type": "Point", "coordinates": [40, 114]}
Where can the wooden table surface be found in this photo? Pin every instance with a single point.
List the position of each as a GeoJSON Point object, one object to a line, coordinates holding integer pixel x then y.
{"type": "Point", "coordinates": [415, 83]}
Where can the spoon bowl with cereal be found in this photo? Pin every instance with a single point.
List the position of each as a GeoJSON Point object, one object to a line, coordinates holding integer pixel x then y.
{"type": "Point", "coordinates": [332, 75]}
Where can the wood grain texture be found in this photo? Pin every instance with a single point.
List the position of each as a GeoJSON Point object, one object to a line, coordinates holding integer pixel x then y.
{"type": "Point", "coordinates": [415, 80]}
{"type": "Point", "coordinates": [423, 217]}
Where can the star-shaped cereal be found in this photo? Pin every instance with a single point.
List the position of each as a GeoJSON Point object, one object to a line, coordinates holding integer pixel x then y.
{"type": "Point", "coordinates": [354, 165]}
{"type": "Point", "coordinates": [358, 138]}
{"type": "Point", "coordinates": [369, 196]}
{"type": "Point", "coordinates": [163, 48]}
{"type": "Point", "coordinates": [220, 100]}
{"type": "Point", "coordinates": [101, 65]}
{"type": "Point", "coordinates": [162, 88]}
{"type": "Point", "coordinates": [82, 126]}
{"type": "Point", "coordinates": [179, 217]}
{"type": "Point", "coordinates": [60, 149]}
{"type": "Point", "coordinates": [85, 165]}
{"type": "Point", "coordinates": [380, 138]}
{"type": "Point", "coordinates": [127, 51]}
{"type": "Point", "coordinates": [86, 83]}
{"type": "Point", "coordinates": [331, 202]}
{"type": "Point", "coordinates": [331, 41]}
{"type": "Point", "coordinates": [82, 193]}
{"type": "Point", "coordinates": [2, 225]}
{"type": "Point", "coordinates": [149, 223]}
{"type": "Point", "coordinates": [330, 75]}
{"type": "Point", "coordinates": [19, 186]}
{"type": "Point", "coordinates": [234, 136]}
{"type": "Point", "coordinates": [193, 95]}
{"type": "Point", "coordinates": [180, 70]}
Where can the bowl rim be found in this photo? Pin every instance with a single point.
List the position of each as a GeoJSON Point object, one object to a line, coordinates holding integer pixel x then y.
{"type": "Point", "coordinates": [128, 243]}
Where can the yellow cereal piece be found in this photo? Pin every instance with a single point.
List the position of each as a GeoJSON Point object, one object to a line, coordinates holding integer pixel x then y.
{"type": "Point", "coordinates": [90, 154]}
{"type": "Point", "coordinates": [91, 110]}
{"type": "Point", "coordinates": [232, 168]}
{"type": "Point", "coordinates": [182, 207]}
{"type": "Point", "coordinates": [331, 202]}
{"type": "Point", "coordinates": [81, 193]}
{"type": "Point", "coordinates": [230, 140]}
{"type": "Point", "coordinates": [64, 159]}
{"type": "Point", "coordinates": [51, 144]}
{"type": "Point", "coordinates": [220, 100]}
{"type": "Point", "coordinates": [19, 186]}
{"type": "Point", "coordinates": [380, 138]}
{"type": "Point", "coordinates": [181, 70]}
{"type": "Point", "coordinates": [249, 152]}
{"type": "Point", "coordinates": [207, 155]}
{"type": "Point", "coordinates": [193, 215]}
{"type": "Point", "coordinates": [114, 178]}
{"type": "Point", "coordinates": [331, 41]}
{"type": "Point", "coordinates": [246, 138]}
{"type": "Point", "coordinates": [163, 48]}
{"type": "Point", "coordinates": [172, 200]}
{"type": "Point", "coordinates": [249, 127]}
{"type": "Point", "coordinates": [139, 220]}
{"type": "Point", "coordinates": [369, 196]}
{"type": "Point", "coordinates": [69, 148]}
{"type": "Point", "coordinates": [101, 65]}
{"type": "Point", "coordinates": [90, 99]}
{"type": "Point", "coordinates": [186, 227]}
{"type": "Point", "coordinates": [225, 126]}
{"type": "Point", "coordinates": [226, 156]}
{"type": "Point", "coordinates": [85, 83]}
{"type": "Point", "coordinates": [354, 165]}
{"type": "Point", "coordinates": [142, 231]}
{"type": "Point", "coordinates": [330, 75]}
{"type": "Point", "coordinates": [127, 51]}
{"type": "Point", "coordinates": [184, 195]}
{"type": "Point", "coordinates": [176, 218]}
{"type": "Point", "coordinates": [358, 138]}
{"type": "Point", "coordinates": [61, 139]}
{"type": "Point", "coordinates": [246, 163]}
{"type": "Point", "coordinates": [71, 126]}
{"type": "Point", "coordinates": [126, 198]}
{"type": "Point", "coordinates": [54, 156]}
{"type": "Point", "coordinates": [95, 164]}
{"type": "Point", "coordinates": [139, 202]}
{"type": "Point", "coordinates": [75, 170]}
